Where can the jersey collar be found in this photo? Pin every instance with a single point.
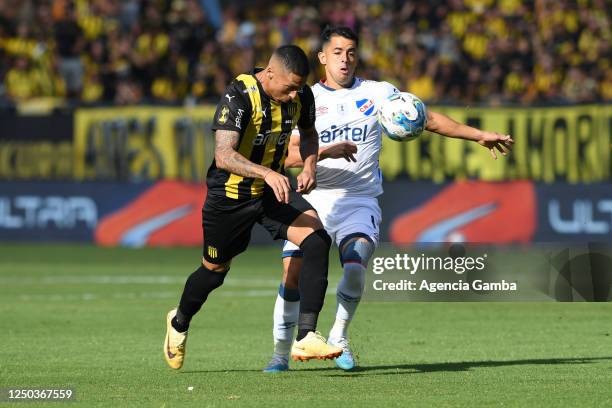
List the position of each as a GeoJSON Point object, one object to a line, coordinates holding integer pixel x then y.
{"type": "Point", "coordinates": [259, 85]}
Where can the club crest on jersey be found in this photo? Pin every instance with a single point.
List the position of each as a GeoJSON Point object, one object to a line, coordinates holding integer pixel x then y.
{"type": "Point", "coordinates": [365, 106]}
{"type": "Point", "coordinates": [212, 252]}
{"type": "Point", "coordinates": [292, 109]}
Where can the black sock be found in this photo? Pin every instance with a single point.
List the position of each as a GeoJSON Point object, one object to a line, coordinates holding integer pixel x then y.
{"type": "Point", "coordinates": [313, 280]}
{"type": "Point", "coordinates": [180, 322]}
{"type": "Point", "coordinates": [307, 322]}
{"type": "Point", "coordinates": [196, 291]}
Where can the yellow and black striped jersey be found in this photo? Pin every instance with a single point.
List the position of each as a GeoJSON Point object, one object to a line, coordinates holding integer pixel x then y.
{"type": "Point", "coordinates": [265, 128]}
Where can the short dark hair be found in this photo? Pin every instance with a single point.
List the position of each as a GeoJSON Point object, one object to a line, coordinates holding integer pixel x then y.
{"type": "Point", "coordinates": [346, 32]}
{"type": "Point", "coordinates": [293, 59]}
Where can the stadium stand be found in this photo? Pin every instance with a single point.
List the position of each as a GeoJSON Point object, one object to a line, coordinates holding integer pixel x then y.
{"type": "Point", "coordinates": [487, 52]}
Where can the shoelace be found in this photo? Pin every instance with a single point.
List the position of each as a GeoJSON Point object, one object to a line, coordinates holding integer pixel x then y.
{"type": "Point", "coordinates": [319, 336]}
{"type": "Point", "coordinates": [180, 342]}
{"type": "Point", "coordinates": [344, 344]}
{"type": "Point", "coordinates": [276, 360]}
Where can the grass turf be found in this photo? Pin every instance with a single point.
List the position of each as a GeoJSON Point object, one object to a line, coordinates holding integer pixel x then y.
{"type": "Point", "coordinates": [93, 319]}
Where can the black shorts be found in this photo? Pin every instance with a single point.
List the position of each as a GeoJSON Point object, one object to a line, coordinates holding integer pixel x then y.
{"type": "Point", "coordinates": [227, 223]}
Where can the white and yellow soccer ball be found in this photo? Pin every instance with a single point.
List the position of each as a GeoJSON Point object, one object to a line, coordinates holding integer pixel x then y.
{"type": "Point", "coordinates": [402, 116]}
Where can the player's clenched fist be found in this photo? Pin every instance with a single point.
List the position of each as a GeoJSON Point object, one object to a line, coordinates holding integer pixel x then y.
{"type": "Point", "coordinates": [279, 184]}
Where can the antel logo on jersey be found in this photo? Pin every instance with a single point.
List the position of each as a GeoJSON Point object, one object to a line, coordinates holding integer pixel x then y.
{"type": "Point", "coordinates": [275, 138]}
{"type": "Point", "coordinates": [365, 106]}
{"type": "Point", "coordinates": [338, 134]}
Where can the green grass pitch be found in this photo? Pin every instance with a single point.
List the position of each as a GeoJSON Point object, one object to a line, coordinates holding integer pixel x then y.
{"type": "Point", "coordinates": [93, 319]}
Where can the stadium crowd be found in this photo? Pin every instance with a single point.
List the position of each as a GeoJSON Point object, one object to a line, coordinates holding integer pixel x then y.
{"type": "Point", "coordinates": [172, 51]}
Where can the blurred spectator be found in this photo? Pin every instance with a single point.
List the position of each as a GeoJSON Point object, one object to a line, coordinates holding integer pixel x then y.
{"type": "Point", "coordinates": [19, 82]}
{"type": "Point", "coordinates": [128, 92]}
{"type": "Point", "coordinates": [176, 51]}
{"type": "Point", "coordinates": [578, 87]}
{"type": "Point", "coordinates": [70, 41]}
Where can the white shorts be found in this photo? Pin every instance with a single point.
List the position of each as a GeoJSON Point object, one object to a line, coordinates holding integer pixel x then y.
{"type": "Point", "coordinates": [343, 218]}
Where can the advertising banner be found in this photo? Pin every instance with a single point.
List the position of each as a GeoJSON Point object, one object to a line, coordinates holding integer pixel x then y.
{"type": "Point", "coordinates": [56, 211]}
{"type": "Point", "coordinates": [553, 144]}
{"type": "Point", "coordinates": [142, 143]}
{"type": "Point", "coordinates": [168, 213]}
{"type": "Point", "coordinates": [498, 213]}
{"type": "Point", "coordinates": [36, 147]}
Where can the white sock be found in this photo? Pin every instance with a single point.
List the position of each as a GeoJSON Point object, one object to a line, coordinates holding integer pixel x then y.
{"type": "Point", "coordinates": [285, 319]}
{"type": "Point", "coordinates": [348, 295]}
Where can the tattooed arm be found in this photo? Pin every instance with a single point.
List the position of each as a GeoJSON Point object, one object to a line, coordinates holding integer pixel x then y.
{"type": "Point", "coordinates": [228, 159]}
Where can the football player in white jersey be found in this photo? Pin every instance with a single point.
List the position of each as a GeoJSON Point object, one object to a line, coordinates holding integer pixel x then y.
{"type": "Point", "coordinates": [348, 184]}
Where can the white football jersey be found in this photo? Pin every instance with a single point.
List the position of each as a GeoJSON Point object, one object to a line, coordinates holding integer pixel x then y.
{"type": "Point", "coordinates": [349, 114]}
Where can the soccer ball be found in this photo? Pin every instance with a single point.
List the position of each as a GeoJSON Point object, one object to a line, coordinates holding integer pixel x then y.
{"type": "Point", "coordinates": [402, 116]}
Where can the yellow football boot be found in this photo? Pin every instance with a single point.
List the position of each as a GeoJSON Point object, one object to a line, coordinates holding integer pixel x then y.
{"type": "Point", "coordinates": [174, 344]}
{"type": "Point", "coordinates": [314, 346]}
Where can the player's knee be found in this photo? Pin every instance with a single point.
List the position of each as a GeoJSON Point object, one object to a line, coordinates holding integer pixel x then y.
{"type": "Point", "coordinates": [291, 275]}
{"type": "Point", "coordinates": [353, 282]}
{"type": "Point", "coordinates": [311, 219]}
{"type": "Point", "coordinates": [219, 268]}
{"type": "Point", "coordinates": [358, 250]}
{"type": "Point", "coordinates": [292, 265]}
{"type": "Point", "coordinates": [202, 282]}
{"type": "Point", "coordinates": [214, 279]}
{"type": "Point", "coordinates": [304, 227]}
{"type": "Point", "coordinates": [317, 243]}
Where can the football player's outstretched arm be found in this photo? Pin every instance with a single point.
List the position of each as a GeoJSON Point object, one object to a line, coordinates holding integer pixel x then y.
{"type": "Point", "coordinates": [445, 126]}
{"type": "Point", "coordinates": [341, 150]}
{"type": "Point", "coordinates": [228, 159]}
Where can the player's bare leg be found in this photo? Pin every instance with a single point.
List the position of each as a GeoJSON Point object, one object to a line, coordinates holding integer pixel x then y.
{"type": "Point", "coordinates": [307, 232]}
{"type": "Point", "coordinates": [286, 312]}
